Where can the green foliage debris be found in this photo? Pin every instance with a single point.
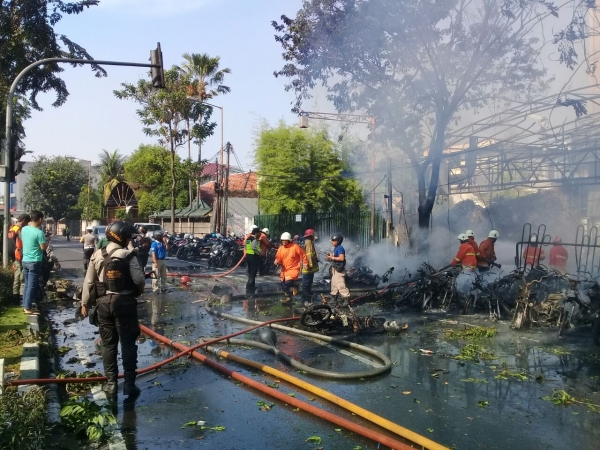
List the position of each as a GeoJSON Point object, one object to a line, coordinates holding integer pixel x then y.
{"type": "Point", "coordinates": [474, 380]}
{"type": "Point", "coordinates": [506, 374]}
{"type": "Point", "coordinates": [315, 440]}
{"type": "Point", "coordinates": [87, 419]}
{"type": "Point", "coordinates": [23, 423]}
{"type": "Point", "coordinates": [79, 387]}
{"type": "Point", "coordinates": [474, 352]}
{"type": "Point", "coordinates": [562, 397]}
{"type": "Point", "coordinates": [471, 333]}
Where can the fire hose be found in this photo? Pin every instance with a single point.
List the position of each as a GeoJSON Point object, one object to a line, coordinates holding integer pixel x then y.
{"type": "Point", "coordinates": [208, 275]}
{"type": "Point", "coordinates": [318, 412]}
{"type": "Point", "coordinates": [386, 362]}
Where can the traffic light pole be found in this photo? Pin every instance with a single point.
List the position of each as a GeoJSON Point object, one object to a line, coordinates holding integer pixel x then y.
{"type": "Point", "coordinates": [7, 154]}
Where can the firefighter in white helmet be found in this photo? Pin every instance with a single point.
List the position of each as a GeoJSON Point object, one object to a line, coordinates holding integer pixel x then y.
{"type": "Point", "coordinates": [487, 252]}
{"type": "Point", "coordinates": [289, 256]}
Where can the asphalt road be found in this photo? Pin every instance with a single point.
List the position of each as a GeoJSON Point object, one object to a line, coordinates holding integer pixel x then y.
{"type": "Point", "coordinates": [460, 404]}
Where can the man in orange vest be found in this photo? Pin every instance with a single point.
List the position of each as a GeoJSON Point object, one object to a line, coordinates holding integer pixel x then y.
{"type": "Point", "coordinates": [471, 235]}
{"type": "Point", "coordinates": [558, 256]}
{"type": "Point", "coordinates": [466, 255]}
{"type": "Point", "coordinates": [532, 254]}
{"type": "Point", "coordinates": [487, 252]}
{"type": "Point", "coordinates": [289, 256]}
{"type": "Point", "coordinates": [15, 254]}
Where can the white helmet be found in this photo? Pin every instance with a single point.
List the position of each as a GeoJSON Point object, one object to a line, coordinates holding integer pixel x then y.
{"type": "Point", "coordinates": [89, 229]}
{"type": "Point", "coordinates": [265, 230]}
{"type": "Point", "coordinates": [286, 237]}
{"type": "Point", "coordinates": [463, 237]}
{"type": "Point", "coordinates": [251, 228]}
{"type": "Point", "coordinates": [470, 233]}
{"type": "Point", "coordinates": [533, 238]}
{"type": "Point", "coordinates": [493, 234]}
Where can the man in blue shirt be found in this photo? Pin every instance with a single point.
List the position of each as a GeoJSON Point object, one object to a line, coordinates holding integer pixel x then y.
{"type": "Point", "coordinates": [34, 246]}
{"type": "Point", "coordinates": [158, 250]}
{"type": "Point", "coordinates": [338, 265]}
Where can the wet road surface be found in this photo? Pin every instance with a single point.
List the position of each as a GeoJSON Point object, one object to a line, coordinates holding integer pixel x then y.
{"type": "Point", "coordinates": [460, 404]}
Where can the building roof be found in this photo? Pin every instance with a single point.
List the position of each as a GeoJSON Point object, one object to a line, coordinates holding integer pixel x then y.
{"type": "Point", "coordinates": [194, 211]}
{"type": "Point", "coordinates": [240, 185]}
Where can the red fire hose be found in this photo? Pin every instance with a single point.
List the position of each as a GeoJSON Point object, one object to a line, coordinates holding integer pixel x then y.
{"type": "Point", "coordinates": [207, 275]}
{"type": "Point", "coordinates": [44, 381]}
{"type": "Point", "coordinates": [340, 421]}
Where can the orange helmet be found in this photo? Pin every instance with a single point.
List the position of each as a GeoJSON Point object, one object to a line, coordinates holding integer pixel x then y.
{"type": "Point", "coordinates": [185, 280]}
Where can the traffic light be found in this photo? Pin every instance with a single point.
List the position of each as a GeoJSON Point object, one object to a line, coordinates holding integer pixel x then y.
{"type": "Point", "coordinates": [157, 71]}
{"type": "Point", "coordinates": [16, 167]}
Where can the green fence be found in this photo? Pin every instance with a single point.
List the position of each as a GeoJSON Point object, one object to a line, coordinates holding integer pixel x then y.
{"type": "Point", "coordinates": [356, 226]}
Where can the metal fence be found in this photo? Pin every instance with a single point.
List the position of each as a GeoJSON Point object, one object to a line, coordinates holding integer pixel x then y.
{"type": "Point", "coordinates": [355, 226]}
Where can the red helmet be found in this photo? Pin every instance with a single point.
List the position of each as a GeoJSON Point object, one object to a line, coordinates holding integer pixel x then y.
{"type": "Point", "coordinates": [310, 232]}
{"type": "Point", "coordinates": [185, 280]}
{"type": "Point", "coordinates": [557, 240]}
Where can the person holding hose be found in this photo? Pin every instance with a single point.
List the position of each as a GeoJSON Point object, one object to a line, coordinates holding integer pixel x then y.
{"type": "Point", "coordinates": [466, 255]}
{"type": "Point", "coordinates": [309, 270]}
{"type": "Point", "coordinates": [487, 252]}
{"type": "Point", "coordinates": [289, 256]}
{"type": "Point", "coordinates": [338, 269]}
{"type": "Point", "coordinates": [113, 281]}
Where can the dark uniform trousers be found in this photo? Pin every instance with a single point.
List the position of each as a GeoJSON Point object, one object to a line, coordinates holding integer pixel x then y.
{"type": "Point", "coordinates": [143, 260]}
{"type": "Point", "coordinates": [253, 262]}
{"type": "Point", "coordinates": [87, 255]}
{"type": "Point", "coordinates": [118, 322]}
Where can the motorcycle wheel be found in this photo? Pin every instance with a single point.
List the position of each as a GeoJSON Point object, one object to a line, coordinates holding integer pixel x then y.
{"type": "Point", "coordinates": [596, 330]}
{"type": "Point", "coordinates": [315, 316]}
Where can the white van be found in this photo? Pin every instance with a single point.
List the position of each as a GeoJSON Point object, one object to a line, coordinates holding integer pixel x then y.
{"type": "Point", "coordinates": [151, 227]}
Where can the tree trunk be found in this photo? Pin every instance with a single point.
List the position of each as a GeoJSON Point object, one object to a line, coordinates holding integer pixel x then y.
{"type": "Point", "coordinates": [200, 141]}
{"type": "Point", "coordinates": [172, 181]}
{"type": "Point", "coordinates": [189, 146]}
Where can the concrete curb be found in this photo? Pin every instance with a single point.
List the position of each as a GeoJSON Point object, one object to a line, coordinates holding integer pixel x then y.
{"type": "Point", "coordinates": [30, 365]}
{"type": "Point", "coordinates": [1, 376]}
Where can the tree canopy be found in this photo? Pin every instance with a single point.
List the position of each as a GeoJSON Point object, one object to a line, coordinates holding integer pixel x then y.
{"type": "Point", "coordinates": [145, 171]}
{"type": "Point", "coordinates": [303, 171]}
{"type": "Point", "coordinates": [415, 65]}
{"type": "Point", "coordinates": [27, 35]}
{"type": "Point", "coordinates": [54, 185]}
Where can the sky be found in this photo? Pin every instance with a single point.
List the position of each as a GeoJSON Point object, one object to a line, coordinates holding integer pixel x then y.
{"type": "Point", "coordinates": [239, 31]}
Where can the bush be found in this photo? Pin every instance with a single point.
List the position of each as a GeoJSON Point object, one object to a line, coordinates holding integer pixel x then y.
{"type": "Point", "coordinates": [23, 423]}
{"type": "Point", "coordinates": [6, 282]}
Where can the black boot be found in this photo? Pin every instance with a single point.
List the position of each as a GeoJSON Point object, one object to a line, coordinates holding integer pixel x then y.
{"type": "Point", "coordinates": [129, 388]}
{"type": "Point", "coordinates": [110, 387]}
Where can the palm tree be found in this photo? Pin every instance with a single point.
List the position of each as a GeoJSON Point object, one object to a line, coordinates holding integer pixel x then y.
{"type": "Point", "coordinates": [207, 81]}
{"type": "Point", "coordinates": [111, 171]}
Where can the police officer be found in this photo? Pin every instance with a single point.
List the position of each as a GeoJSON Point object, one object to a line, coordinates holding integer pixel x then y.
{"type": "Point", "coordinates": [251, 251]}
{"type": "Point", "coordinates": [116, 311]}
{"type": "Point", "coordinates": [142, 246]}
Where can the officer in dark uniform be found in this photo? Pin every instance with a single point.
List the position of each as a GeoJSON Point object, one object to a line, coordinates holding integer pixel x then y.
{"type": "Point", "coordinates": [116, 311]}
{"type": "Point", "coordinates": [142, 246]}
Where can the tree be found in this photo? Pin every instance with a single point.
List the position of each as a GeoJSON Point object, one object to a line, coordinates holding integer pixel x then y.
{"type": "Point", "coordinates": [206, 82]}
{"type": "Point", "coordinates": [96, 203]}
{"type": "Point", "coordinates": [111, 171]}
{"type": "Point", "coordinates": [27, 35]}
{"type": "Point", "coordinates": [415, 65]}
{"type": "Point", "coordinates": [54, 185]}
{"type": "Point", "coordinates": [303, 171]}
{"type": "Point", "coordinates": [163, 114]}
{"type": "Point", "coordinates": [145, 170]}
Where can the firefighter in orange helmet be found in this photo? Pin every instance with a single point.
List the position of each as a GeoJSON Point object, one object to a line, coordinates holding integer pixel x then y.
{"type": "Point", "coordinates": [558, 256]}
{"type": "Point", "coordinates": [466, 255]}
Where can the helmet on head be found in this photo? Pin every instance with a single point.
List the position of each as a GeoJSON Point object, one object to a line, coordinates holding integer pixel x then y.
{"type": "Point", "coordinates": [265, 230]}
{"type": "Point", "coordinates": [310, 232]}
{"type": "Point", "coordinates": [337, 238]}
{"type": "Point", "coordinates": [493, 234]}
{"type": "Point", "coordinates": [143, 230]}
{"type": "Point", "coordinates": [463, 237]}
{"type": "Point", "coordinates": [252, 229]}
{"type": "Point", "coordinates": [470, 233]}
{"type": "Point", "coordinates": [286, 236]}
{"type": "Point", "coordinates": [120, 232]}
{"type": "Point", "coordinates": [89, 229]}
{"type": "Point", "coordinates": [557, 239]}
{"type": "Point", "coordinates": [533, 238]}
{"type": "Point", "coordinates": [158, 235]}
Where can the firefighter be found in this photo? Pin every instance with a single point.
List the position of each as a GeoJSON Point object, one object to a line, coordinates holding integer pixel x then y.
{"type": "Point", "coordinates": [558, 256]}
{"type": "Point", "coordinates": [289, 256]}
{"type": "Point", "coordinates": [532, 254]}
{"type": "Point", "coordinates": [309, 270]}
{"type": "Point", "coordinates": [466, 255]}
{"type": "Point", "coordinates": [114, 276]}
{"type": "Point", "coordinates": [251, 252]}
{"type": "Point", "coordinates": [471, 235]}
{"type": "Point", "coordinates": [487, 252]}
{"type": "Point", "coordinates": [265, 245]}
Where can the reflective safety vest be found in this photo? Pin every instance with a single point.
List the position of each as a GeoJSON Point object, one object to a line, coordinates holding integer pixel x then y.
{"type": "Point", "coordinates": [559, 256]}
{"type": "Point", "coordinates": [533, 255]}
{"type": "Point", "coordinates": [465, 256]}
{"type": "Point", "coordinates": [15, 242]}
{"type": "Point", "coordinates": [249, 244]}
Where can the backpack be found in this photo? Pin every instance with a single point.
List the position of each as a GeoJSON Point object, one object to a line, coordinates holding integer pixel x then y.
{"type": "Point", "coordinates": [117, 276]}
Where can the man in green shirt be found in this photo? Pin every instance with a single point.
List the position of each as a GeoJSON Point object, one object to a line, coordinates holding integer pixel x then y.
{"type": "Point", "coordinates": [34, 246]}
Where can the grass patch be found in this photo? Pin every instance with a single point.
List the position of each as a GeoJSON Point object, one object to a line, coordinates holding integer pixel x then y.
{"type": "Point", "coordinates": [12, 326]}
{"type": "Point", "coordinates": [472, 333]}
{"type": "Point", "coordinates": [474, 352]}
{"type": "Point", "coordinates": [23, 419]}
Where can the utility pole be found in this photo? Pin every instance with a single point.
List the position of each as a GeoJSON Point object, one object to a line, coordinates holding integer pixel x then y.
{"type": "Point", "coordinates": [87, 213]}
{"type": "Point", "coordinates": [228, 148]}
{"type": "Point", "coordinates": [217, 200]}
{"type": "Point", "coordinates": [390, 216]}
